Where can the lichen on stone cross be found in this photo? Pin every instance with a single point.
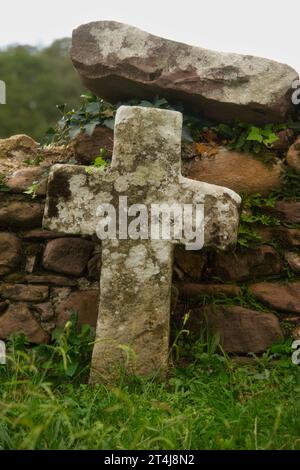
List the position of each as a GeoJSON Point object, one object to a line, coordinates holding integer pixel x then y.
{"type": "Point", "coordinates": [135, 283]}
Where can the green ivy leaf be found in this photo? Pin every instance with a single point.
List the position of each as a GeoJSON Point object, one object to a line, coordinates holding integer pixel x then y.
{"type": "Point", "coordinates": [99, 162]}
{"type": "Point", "coordinates": [225, 131]}
{"type": "Point", "coordinates": [270, 139]}
{"type": "Point", "coordinates": [256, 147]}
{"type": "Point", "coordinates": [74, 131]}
{"type": "Point", "coordinates": [160, 102]}
{"type": "Point", "coordinates": [90, 127]}
{"type": "Point", "coordinates": [255, 135]}
{"type": "Point", "coordinates": [240, 142]}
{"type": "Point", "coordinates": [93, 108]}
{"type": "Point", "coordinates": [146, 104]}
{"type": "Point", "coordinates": [186, 134]}
{"type": "Point", "coordinates": [110, 123]}
{"type": "Point", "coordinates": [71, 369]}
{"type": "Point", "coordinates": [61, 107]}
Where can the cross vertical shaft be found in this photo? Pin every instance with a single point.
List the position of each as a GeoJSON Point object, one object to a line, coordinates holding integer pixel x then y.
{"type": "Point", "coordinates": [135, 285]}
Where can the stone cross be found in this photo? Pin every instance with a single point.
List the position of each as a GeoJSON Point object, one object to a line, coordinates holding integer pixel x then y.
{"type": "Point", "coordinates": [135, 284]}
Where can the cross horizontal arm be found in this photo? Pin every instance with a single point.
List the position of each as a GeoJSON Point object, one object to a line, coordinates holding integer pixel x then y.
{"type": "Point", "coordinates": [221, 211]}
{"type": "Point", "coordinates": [74, 194]}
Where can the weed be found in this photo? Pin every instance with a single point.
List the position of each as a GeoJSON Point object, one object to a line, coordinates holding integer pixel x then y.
{"type": "Point", "coordinates": [67, 356]}
{"type": "Point", "coordinates": [36, 161]}
{"type": "Point", "coordinates": [210, 402]}
{"type": "Point", "coordinates": [290, 188]}
{"type": "Point", "coordinates": [100, 162]}
{"type": "Point", "coordinates": [32, 190]}
{"type": "Point", "coordinates": [246, 137]}
{"type": "Point", "coordinates": [253, 217]}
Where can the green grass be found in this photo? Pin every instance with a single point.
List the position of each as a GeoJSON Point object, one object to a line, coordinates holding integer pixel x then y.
{"type": "Point", "coordinates": [207, 402]}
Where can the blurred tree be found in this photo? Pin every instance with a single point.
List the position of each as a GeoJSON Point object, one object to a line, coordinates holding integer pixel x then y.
{"type": "Point", "coordinates": [36, 81]}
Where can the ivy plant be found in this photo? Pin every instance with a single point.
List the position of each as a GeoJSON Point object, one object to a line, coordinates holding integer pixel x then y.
{"type": "Point", "coordinates": [96, 112]}
{"type": "Point", "coordinates": [92, 113]}
{"type": "Point", "coordinates": [239, 136]}
{"type": "Point", "coordinates": [100, 162]}
{"type": "Point", "coordinates": [252, 216]}
{"type": "Point", "coordinates": [249, 138]}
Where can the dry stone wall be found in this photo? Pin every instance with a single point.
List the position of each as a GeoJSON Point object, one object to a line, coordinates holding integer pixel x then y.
{"type": "Point", "coordinates": [45, 275]}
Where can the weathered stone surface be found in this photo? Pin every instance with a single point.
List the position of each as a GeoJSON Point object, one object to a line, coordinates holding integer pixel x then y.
{"type": "Point", "coordinates": [45, 311]}
{"type": "Point", "coordinates": [241, 330]}
{"type": "Point", "coordinates": [287, 237]}
{"type": "Point", "coordinates": [15, 151]}
{"type": "Point", "coordinates": [94, 267]}
{"type": "Point", "coordinates": [21, 215]}
{"type": "Point", "coordinates": [55, 280]}
{"type": "Point", "coordinates": [3, 306]}
{"type": "Point", "coordinates": [24, 293]}
{"type": "Point", "coordinates": [293, 156]}
{"type": "Point", "coordinates": [39, 234]}
{"type": "Point", "coordinates": [117, 62]}
{"type": "Point", "coordinates": [86, 148]}
{"type": "Point", "coordinates": [240, 171]}
{"type": "Point", "coordinates": [247, 264]}
{"type": "Point", "coordinates": [18, 151]}
{"type": "Point", "coordinates": [33, 255]}
{"type": "Point", "coordinates": [283, 297]}
{"type": "Point", "coordinates": [296, 333]}
{"type": "Point", "coordinates": [293, 319]}
{"type": "Point", "coordinates": [174, 298]}
{"type": "Point", "coordinates": [85, 303]}
{"type": "Point", "coordinates": [285, 139]}
{"type": "Point", "coordinates": [190, 262]}
{"type": "Point", "coordinates": [55, 154]}
{"type": "Point", "coordinates": [286, 211]}
{"type": "Point", "coordinates": [21, 180]}
{"type": "Point", "coordinates": [31, 263]}
{"type": "Point", "coordinates": [293, 260]}
{"type": "Point", "coordinates": [67, 255]}
{"type": "Point", "coordinates": [70, 186]}
{"type": "Point", "coordinates": [189, 289]}
{"type": "Point", "coordinates": [48, 326]}
{"type": "Point", "coordinates": [19, 319]}
{"type": "Point", "coordinates": [136, 275]}
{"type": "Point", "coordinates": [59, 294]}
{"type": "Point", "coordinates": [86, 284]}
{"type": "Point", "coordinates": [10, 252]}
{"type": "Point", "coordinates": [15, 143]}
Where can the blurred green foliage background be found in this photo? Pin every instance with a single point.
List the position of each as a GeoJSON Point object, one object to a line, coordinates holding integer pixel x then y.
{"type": "Point", "coordinates": [37, 79]}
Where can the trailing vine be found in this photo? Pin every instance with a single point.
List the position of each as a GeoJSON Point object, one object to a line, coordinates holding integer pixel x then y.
{"type": "Point", "coordinates": [239, 136]}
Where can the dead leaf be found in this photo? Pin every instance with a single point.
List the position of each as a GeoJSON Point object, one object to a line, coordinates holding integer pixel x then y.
{"type": "Point", "coordinates": [204, 149]}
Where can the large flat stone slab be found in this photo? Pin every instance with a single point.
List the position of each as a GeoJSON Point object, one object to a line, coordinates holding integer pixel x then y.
{"type": "Point", "coordinates": [24, 293]}
{"type": "Point", "coordinates": [10, 252]}
{"type": "Point", "coordinates": [20, 214]}
{"type": "Point", "coordinates": [240, 171]}
{"type": "Point", "coordinates": [19, 319]}
{"type": "Point", "coordinates": [67, 255]}
{"type": "Point", "coordinates": [279, 296]}
{"type": "Point", "coordinates": [117, 62]}
{"type": "Point", "coordinates": [247, 264]}
{"type": "Point", "coordinates": [241, 330]}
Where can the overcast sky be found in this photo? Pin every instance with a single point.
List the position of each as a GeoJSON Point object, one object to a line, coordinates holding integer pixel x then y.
{"type": "Point", "coordinates": [268, 28]}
